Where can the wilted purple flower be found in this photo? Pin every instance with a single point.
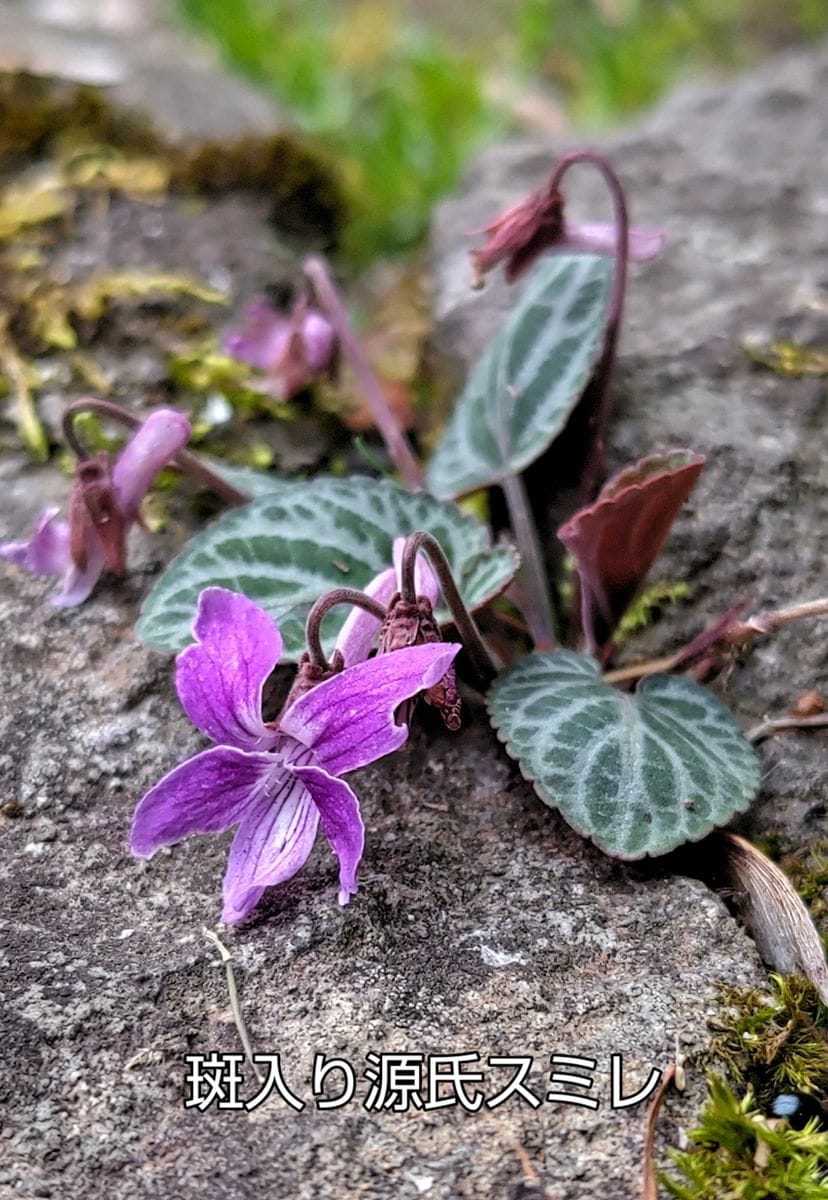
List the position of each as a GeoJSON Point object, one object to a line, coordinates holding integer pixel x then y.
{"type": "Point", "coordinates": [276, 782]}
{"type": "Point", "coordinates": [406, 624]}
{"type": "Point", "coordinates": [102, 507]}
{"type": "Point", "coordinates": [290, 350]}
{"type": "Point", "coordinates": [537, 224]}
{"type": "Point", "coordinates": [357, 635]}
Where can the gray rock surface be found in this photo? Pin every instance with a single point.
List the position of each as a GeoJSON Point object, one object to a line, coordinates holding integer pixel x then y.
{"type": "Point", "coordinates": [737, 177]}
{"type": "Point", "coordinates": [482, 924]}
{"type": "Point", "coordinates": [126, 48]}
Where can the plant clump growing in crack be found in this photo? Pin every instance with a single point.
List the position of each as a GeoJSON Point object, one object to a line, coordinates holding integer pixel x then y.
{"type": "Point", "coordinates": [372, 586]}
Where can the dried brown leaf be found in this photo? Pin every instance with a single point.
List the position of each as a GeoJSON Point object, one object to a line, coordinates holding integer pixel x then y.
{"type": "Point", "coordinates": [774, 914]}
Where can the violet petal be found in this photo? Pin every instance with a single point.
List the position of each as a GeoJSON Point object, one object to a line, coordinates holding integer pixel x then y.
{"type": "Point", "coordinates": [357, 635]}
{"type": "Point", "coordinates": [263, 338]}
{"type": "Point", "coordinates": [644, 244]}
{"type": "Point", "coordinates": [206, 794]}
{"type": "Point", "coordinates": [273, 841]}
{"type": "Point", "coordinates": [318, 338]}
{"type": "Point", "coordinates": [220, 679]}
{"type": "Point", "coordinates": [348, 720]}
{"type": "Point", "coordinates": [77, 584]}
{"type": "Point", "coordinates": [151, 447]}
{"type": "Point", "coordinates": [341, 823]}
{"type": "Point", "coordinates": [46, 552]}
{"type": "Point", "coordinates": [356, 638]}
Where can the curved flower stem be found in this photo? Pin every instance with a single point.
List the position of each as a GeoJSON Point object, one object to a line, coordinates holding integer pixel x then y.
{"type": "Point", "coordinates": [320, 609]}
{"type": "Point", "coordinates": [538, 609]}
{"type": "Point", "coordinates": [397, 444]}
{"type": "Point", "coordinates": [183, 460]}
{"type": "Point", "coordinates": [595, 467]}
{"type": "Point", "coordinates": [470, 635]}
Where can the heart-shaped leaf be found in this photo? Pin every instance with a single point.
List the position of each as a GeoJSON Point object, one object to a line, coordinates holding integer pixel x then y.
{"type": "Point", "coordinates": [286, 550]}
{"type": "Point", "coordinates": [638, 774]}
{"type": "Point", "coordinates": [520, 394]}
{"type": "Point", "coordinates": [616, 539]}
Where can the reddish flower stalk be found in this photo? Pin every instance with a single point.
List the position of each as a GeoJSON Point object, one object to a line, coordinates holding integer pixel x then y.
{"type": "Point", "coordinates": [397, 444]}
{"type": "Point", "coordinates": [317, 614]}
{"type": "Point", "coordinates": [470, 635]}
{"type": "Point", "coordinates": [595, 469]}
{"type": "Point", "coordinates": [537, 225]}
{"type": "Point", "coordinates": [537, 604]}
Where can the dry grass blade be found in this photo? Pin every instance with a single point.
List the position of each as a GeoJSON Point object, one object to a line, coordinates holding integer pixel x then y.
{"type": "Point", "coordinates": [774, 914]}
{"type": "Point", "coordinates": [775, 725]}
{"type": "Point", "coordinates": [649, 1179]}
{"type": "Point", "coordinates": [235, 1006]}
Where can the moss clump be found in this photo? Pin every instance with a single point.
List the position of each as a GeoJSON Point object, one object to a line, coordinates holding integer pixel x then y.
{"type": "Point", "coordinates": [808, 870]}
{"type": "Point", "coordinates": [769, 1043]}
{"type": "Point", "coordinates": [66, 152]}
{"type": "Point", "coordinates": [646, 607]}
{"type": "Point", "coordinates": [44, 118]}
{"type": "Point", "coordinates": [788, 359]}
{"type": "Point", "coordinates": [36, 110]}
{"type": "Point", "coordinates": [776, 1043]}
{"type": "Point", "coordinates": [302, 180]}
{"type": "Point", "coordinates": [737, 1154]}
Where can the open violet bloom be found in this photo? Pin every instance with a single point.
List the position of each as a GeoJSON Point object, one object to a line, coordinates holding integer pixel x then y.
{"type": "Point", "coordinates": [291, 350]}
{"type": "Point", "coordinates": [276, 782]}
{"type": "Point", "coordinates": [103, 506]}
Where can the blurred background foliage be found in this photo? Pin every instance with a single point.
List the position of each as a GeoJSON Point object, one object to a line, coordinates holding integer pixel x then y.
{"type": "Point", "coordinates": [403, 94]}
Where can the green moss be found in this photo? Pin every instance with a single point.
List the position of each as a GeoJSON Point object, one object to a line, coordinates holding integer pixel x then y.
{"type": "Point", "coordinates": [769, 1042]}
{"type": "Point", "coordinates": [48, 118]}
{"type": "Point", "coordinates": [788, 359]}
{"type": "Point", "coordinates": [739, 1155]}
{"type": "Point", "coordinates": [302, 180]}
{"type": "Point", "coordinates": [808, 869]}
{"type": "Point", "coordinates": [646, 606]}
{"type": "Point", "coordinates": [203, 372]}
{"type": "Point", "coordinates": [777, 1042]}
{"type": "Point", "coordinates": [36, 111]}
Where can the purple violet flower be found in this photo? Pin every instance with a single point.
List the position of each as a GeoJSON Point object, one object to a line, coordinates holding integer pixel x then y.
{"type": "Point", "coordinates": [537, 224]}
{"type": "Point", "coordinates": [276, 782]}
{"type": "Point", "coordinates": [290, 350]}
{"type": "Point", "coordinates": [101, 510]}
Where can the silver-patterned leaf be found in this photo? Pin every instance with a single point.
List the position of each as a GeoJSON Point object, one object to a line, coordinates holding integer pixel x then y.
{"type": "Point", "coordinates": [286, 550]}
{"type": "Point", "coordinates": [520, 394]}
{"type": "Point", "coordinates": [637, 773]}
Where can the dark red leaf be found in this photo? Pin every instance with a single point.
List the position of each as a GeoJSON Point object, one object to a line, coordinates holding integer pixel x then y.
{"type": "Point", "coordinates": [616, 539]}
